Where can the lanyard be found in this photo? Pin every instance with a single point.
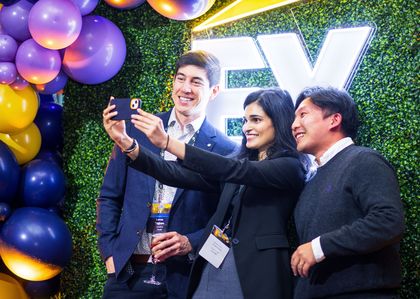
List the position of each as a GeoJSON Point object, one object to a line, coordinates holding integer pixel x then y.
{"type": "Point", "coordinates": [159, 191]}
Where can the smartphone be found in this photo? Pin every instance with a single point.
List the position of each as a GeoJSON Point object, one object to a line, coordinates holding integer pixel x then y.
{"type": "Point", "coordinates": [125, 107]}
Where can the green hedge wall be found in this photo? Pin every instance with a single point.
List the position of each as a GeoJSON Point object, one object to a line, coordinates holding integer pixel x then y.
{"type": "Point", "coordinates": [385, 88]}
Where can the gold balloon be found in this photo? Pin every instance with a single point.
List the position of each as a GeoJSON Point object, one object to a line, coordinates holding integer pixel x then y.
{"type": "Point", "coordinates": [17, 108]}
{"type": "Point", "coordinates": [30, 140]}
{"type": "Point", "coordinates": [25, 266]}
{"type": "Point", "coordinates": [11, 143]}
{"type": "Point", "coordinates": [10, 288]}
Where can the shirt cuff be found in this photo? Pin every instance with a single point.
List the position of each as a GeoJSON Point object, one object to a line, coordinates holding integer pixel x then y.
{"type": "Point", "coordinates": [317, 250]}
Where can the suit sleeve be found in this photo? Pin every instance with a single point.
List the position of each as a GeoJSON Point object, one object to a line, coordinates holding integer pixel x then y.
{"type": "Point", "coordinates": [277, 173]}
{"type": "Point", "coordinates": [110, 201]}
{"type": "Point", "coordinates": [172, 173]}
{"type": "Point", "coordinates": [374, 187]}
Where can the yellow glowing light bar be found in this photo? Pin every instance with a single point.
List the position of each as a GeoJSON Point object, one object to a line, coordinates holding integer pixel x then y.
{"type": "Point", "coordinates": [241, 9]}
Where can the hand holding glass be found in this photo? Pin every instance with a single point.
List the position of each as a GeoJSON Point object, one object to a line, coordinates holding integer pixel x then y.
{"type": "Point", "coordinates": [160, 223]}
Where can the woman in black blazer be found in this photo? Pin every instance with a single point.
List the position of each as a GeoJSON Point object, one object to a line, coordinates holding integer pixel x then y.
{"type": "Point", "coordinates": [258, 192]}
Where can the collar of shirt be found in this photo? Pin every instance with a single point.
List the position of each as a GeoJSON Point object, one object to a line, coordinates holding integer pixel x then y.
{"type": "Point", "coordinates": [334, 150]}
{"type": "Point", "coordinates": [195, 124]}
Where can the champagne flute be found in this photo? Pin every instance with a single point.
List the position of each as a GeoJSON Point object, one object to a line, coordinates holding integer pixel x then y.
{"type": "Point", "coordinates": [152, 279]}
{"type": "Point", "coordinates": [160, 224]}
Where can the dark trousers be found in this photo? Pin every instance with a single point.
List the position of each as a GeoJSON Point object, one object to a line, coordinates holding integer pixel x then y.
{"type": "Point", "coordinates": [134, 286]}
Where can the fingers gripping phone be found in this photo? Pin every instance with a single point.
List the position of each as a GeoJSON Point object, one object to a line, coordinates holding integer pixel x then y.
{"type": "Point", "coordinates": [125, 107]}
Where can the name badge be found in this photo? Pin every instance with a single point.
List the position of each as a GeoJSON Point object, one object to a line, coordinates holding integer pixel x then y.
{"type": "Point", "coordinates": [216, 247]}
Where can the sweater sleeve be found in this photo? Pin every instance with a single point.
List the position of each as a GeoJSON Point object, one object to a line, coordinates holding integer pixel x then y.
{"type": "Point", "coordinates": [375, 190]}
{"type": "Point", "coordinates": [277, 173]}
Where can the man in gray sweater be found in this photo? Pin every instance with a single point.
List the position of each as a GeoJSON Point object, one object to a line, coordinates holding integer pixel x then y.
{"type": "Point", "coordinates": [349, 217]}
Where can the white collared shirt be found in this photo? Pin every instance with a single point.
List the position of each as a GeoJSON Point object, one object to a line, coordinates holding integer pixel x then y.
{"type": "Point", "coordinates": [327, 156]}
{"type": "Point", "coordinates": [334, 150]}
{"type": "Point", "coordinates": [183, 134]}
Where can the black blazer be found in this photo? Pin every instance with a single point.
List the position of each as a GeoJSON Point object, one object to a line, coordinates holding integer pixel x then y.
{"type": "Point", "coordinates": [259, 241]}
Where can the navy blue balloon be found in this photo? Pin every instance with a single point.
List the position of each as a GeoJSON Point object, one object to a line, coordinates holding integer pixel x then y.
{"type": "Point", "coordinates": [5, 211]}
{"type": "Point", "coordinates": [52, 156]}
{"type": "Point", "coordinates": [46, 97]}
{"type": "Point", "coordinates": [9, 174]}
{"type": "Point", "coordinates": [42, 184]}
{"type": "Point", "coordinates": [43, 289]}
{"type": "Point", "coordinates": [39, 234]}
{"type": "Point", "coordinates": [8, 2]}
{"type": "Point", "coordinates": [49, 122]}
{"type": "Point", "coordinates": [55, 210]}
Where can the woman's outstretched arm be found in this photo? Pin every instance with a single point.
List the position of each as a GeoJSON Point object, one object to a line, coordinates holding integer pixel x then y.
{"type": "Point", "coordinates": [152, 127]}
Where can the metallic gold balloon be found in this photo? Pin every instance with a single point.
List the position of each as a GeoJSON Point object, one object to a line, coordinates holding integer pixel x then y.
{"type": "Point", "coordinates": [17, 108]}
{"type": "Point", "coordinates": [27, 267]}
{"type": "Point", "coordinates": [10, 288]}
{"type": "Point", "coordinates": [30, 140]}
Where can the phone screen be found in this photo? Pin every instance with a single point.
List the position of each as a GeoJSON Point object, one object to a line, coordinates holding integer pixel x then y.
{"type": "Point", "coordinates": [125, 107]}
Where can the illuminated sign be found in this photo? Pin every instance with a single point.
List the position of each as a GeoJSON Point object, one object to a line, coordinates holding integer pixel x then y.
{"type": "Point", "coordinates": [287, 58]}
{"type": "Point", "coordinates": [241, 9]}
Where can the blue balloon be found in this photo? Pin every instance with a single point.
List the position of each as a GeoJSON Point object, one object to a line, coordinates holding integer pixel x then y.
{"type": "Point", "coordinates": [39, 234]}
{"type": "Point", "coordinates": [49, 122]}
{"type": "Point", "coordinates": [9, 174]}
{"type": "Point", "coordinates": [52, 156]}
{"type": "Point", "coordinates": [43, 289]}
{"type": "Point", "coordinates": [46, 97]}
{"type": "Point", "coordinates": [55, 210]}
{"type": "Point", "coordinates": [42, 184]}
{"type": "Point", "coordinates": [5, 211]}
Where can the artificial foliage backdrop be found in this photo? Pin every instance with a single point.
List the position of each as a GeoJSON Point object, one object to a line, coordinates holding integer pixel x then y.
{"type": "Point", "coordinates": [385, 89]}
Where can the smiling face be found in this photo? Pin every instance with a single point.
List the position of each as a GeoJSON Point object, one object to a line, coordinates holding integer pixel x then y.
{"type": "Point", "coordinates": [311, 129]}
{"type": "Point", "coordinates": [191, 92]}
{"type": "Point", "coordinates": [258, 129]}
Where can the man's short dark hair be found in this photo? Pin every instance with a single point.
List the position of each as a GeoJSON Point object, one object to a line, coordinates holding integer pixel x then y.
{"type": "Point", "coordinates": [204, 60]}
{"type": "Point", "coordinates": [332, 100]}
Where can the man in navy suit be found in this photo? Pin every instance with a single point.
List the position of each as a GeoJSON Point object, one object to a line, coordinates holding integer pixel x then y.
{"type": "Point", "coordinates": [126, 196]}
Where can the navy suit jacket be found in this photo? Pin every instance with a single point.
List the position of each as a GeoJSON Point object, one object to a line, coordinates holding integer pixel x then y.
{"type": "Point", "coordinates": [123, 207]}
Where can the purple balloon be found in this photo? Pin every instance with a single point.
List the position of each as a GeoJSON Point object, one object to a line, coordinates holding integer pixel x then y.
{"type": "Point", "coordinates": [125, 4]}
{"type": "Point", "coordinates": [7, 72]}
{"type": "Point", "coordinates": [98, 53]}
{"type": "Point", "coordinates": [8, 48]}
{"type": "Point", "coordinates": [14, 20]}
{"type": "Point", "coordinates": [19, 83]}
{"type": "Point", "coordinates": [181, 10]}
{"type": "Point", "coordinates": [2, 30]}
{"type": "Point", "coordinates": [86, 6]}
{"type": "Point", "coordinates": [55, 24]}
{"type": "Point", "coordinates": [53, 86]}
{"type": "Point", "coordinates": [37, 64]}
